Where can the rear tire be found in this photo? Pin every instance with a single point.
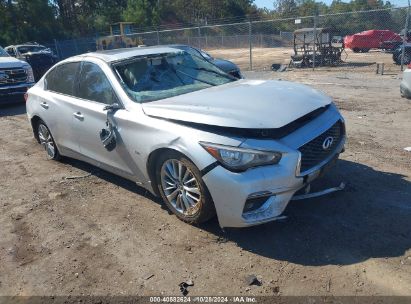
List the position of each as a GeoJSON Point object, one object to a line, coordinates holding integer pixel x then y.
{"type": "Point", "coordinates": [182, 188]}
{"type": "Point", "coordinates": [47, 141]}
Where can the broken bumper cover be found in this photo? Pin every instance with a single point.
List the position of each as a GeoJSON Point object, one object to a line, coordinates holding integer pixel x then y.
{"type": "Point", "coordinates": [274, 185]}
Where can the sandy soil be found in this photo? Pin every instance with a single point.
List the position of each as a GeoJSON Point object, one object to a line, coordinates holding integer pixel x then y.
{"type": "Point", "coordinates": [103, 235]}
{"type": "Point", "coordinates": [263, 58]}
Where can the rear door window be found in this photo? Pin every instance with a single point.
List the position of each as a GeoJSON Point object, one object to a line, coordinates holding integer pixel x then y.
{"type": "Point", "coordinates": [62, 79]}
{"type": "Point", "coordinates": [94, 85]}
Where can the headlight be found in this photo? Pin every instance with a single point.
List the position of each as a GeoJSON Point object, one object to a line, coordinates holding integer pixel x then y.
{"type": "Point", "coordinates": [239, 159]}
{"type": "Point", "coordinates": [29, 73]}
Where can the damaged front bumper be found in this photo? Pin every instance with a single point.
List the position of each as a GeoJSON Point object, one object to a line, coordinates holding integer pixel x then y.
{"type": "Point", "coordinates": [270, 188]}
{"type": "Point", "coordinates": [319, 193]}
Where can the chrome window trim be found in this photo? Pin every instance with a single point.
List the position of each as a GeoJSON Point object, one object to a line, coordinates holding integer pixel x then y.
{"type": "Point", "coordinates": [118, 100]}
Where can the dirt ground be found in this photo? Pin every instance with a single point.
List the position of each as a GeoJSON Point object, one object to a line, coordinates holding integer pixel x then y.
{"type": "Point", "coordinates": [103, 235]}
{"type": "Point", "coordinates": [263, 58]}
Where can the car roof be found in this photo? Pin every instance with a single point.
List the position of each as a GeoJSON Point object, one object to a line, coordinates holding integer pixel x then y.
{"type": "Point", "coordinates": [124, 53]}
{"type": "Point", "coordinates": [180, 45]}
{"type": "Point", "coordinates": [19, 45]}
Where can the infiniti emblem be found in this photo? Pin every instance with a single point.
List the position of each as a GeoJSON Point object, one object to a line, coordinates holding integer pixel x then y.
{"type": "Point", "coordinates": [327, 143]}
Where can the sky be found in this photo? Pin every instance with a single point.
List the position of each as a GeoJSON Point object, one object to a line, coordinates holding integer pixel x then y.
{"type": "Point", "coordinates": [269, 3]}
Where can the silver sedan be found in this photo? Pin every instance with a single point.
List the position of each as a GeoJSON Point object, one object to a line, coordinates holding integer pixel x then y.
{"type": "Point", "coordinates": [205, 142]}
{"type": "Point", "coordinates": [405, 86]}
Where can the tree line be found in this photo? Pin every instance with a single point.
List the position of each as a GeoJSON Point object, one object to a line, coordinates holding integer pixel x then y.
{"type": "Point", "coordinates": [45, 20]}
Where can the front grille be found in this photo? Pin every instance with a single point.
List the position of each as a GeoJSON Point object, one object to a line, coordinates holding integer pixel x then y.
{"type": "Point", "coordinates": [313, 153]}
{"type": "Point", "coordinates": [12, 76]}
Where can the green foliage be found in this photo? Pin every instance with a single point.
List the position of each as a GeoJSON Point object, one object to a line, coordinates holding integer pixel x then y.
{"type": "Point", "coordinates": [18, 24]}
{"type": "Point", "coordinates": [144, 12]}
{"type": "Point", "coordinates": [344, 24]}
{"type": "Point", "coordinates": [45, 20]}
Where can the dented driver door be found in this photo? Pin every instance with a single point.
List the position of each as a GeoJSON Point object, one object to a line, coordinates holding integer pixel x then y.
{"type": "Point", "coordinates": [90, 118]}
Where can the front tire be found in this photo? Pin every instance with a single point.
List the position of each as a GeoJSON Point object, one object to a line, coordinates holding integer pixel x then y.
{"type": "Point", "coordinates": [46, 140]}
{"type": "Point", "coordinates": [182, 188]}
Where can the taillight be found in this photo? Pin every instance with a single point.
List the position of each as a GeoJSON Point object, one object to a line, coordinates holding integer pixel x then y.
{"type": "Point", "coordinates": [26, 96]}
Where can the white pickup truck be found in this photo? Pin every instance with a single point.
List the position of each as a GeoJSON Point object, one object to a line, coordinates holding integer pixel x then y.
{"type": "Point", "coordinates": [16, 77]}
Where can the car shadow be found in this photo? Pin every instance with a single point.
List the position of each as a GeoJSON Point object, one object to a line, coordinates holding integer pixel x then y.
{"type": "Point", "coordinates": [12, 109]}
{"type": "Point", "coordinates": [112, 178]}
{"type": "Point", "coordinates": [370, 218]}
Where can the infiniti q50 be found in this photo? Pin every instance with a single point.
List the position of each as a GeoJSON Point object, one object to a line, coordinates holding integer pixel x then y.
{"type": "Point", "coordinates": [207, 143]}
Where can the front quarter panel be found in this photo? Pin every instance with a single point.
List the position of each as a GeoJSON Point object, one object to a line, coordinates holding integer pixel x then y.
{"type": "Point", "coordinates": [144, 135]}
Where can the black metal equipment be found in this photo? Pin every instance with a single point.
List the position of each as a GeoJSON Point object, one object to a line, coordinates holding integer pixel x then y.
{"type": "Point", "coordinates": [108, 136]}
{"type": "Point", "coordinates": [320, 40]}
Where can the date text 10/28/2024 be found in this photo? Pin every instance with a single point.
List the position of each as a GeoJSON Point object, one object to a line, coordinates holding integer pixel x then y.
{"type": "Point", "coordinates": [204, 299]}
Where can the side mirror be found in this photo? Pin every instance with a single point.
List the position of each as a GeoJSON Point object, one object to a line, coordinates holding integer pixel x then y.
{"type": "Point", "coordinates": [112, 107]}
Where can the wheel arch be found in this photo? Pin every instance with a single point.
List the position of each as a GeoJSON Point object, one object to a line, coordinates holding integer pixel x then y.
{"type": "Point", "coordinates": [34, 123]}
{"type": "Point", "coordinates": [152, 161]}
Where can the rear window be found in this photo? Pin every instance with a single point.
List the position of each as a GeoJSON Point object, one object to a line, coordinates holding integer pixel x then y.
{"type": "Point", "coordinates": [62, 79]}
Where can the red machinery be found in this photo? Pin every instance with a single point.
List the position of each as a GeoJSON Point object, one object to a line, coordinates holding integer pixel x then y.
{"type": "Point", "coordinates": [372, 39]}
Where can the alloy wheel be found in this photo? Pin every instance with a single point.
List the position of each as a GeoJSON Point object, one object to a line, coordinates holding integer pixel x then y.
{"type": "Point", "coordinates": [46, 141]}
{"type": "Point", "coordinates": [180, 187]}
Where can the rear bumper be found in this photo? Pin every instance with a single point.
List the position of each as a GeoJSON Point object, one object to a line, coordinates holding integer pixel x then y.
{"type": "Point", "coordinates": [405, 90]}
{"type": "Point", "coordinates": [405, 86]}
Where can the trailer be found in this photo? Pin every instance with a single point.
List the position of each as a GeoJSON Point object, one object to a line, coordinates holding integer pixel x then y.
{"type": "Point", "coordinates": [318, 41]}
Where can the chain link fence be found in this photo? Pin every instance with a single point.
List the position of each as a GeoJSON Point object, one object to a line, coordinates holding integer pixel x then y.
{"type": "Point", "coordinates": [265, 44]}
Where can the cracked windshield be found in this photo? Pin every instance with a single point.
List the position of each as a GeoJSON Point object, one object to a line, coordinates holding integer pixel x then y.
{"type": "Point", "coordinates": [151, 78]}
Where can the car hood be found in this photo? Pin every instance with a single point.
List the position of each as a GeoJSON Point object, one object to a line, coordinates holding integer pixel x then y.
{"type": "Point", "coordinates": [241, 104]}
{"type": "Point", "coordinates": [11, 62]}
{"type": "Point", "coordinates": [225, 65]}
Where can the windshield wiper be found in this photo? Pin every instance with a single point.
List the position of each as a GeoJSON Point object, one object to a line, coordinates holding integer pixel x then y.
{"type": "Point", "coordinates": [192, 77]}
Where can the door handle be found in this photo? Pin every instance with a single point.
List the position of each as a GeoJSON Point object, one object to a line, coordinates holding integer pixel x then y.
{"type": "Point", "coordinates": [44, 105]}
{"type": "Point", "coordinates": [78, 115]}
